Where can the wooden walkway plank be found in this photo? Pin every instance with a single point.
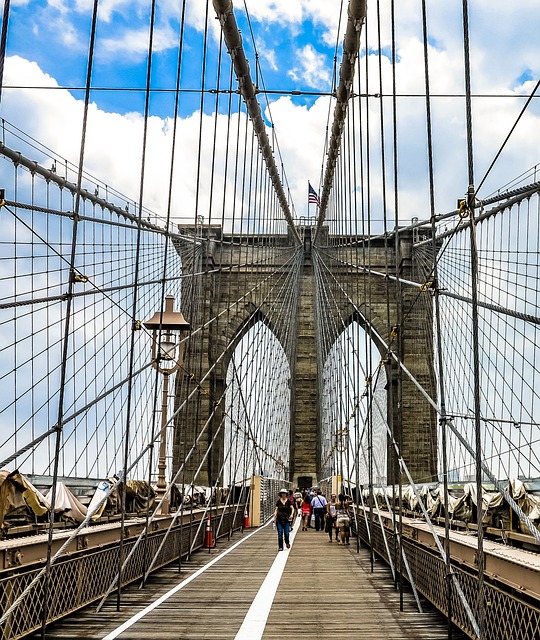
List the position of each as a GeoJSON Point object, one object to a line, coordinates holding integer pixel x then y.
{"type": "Point", "coordinates": [326, 591]}
{"type": "Point", "coordinates": [212, 606]}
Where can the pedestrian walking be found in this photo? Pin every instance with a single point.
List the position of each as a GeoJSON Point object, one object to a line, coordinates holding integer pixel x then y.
{"type": "Point", "coordinates": [282, 516]}
{"type": "Point", "coordinates": [331, 517]}
{"type": "Point", "coordinates": [306, 512]}
{"type": "Point", "coordinates": [318, 504]}
{"type": "Point", "coordinates": [309, 493]}
{"type": "Point", "coordinates": [292, 500]}
{"type": "Point", "coordinates": [343, 522]}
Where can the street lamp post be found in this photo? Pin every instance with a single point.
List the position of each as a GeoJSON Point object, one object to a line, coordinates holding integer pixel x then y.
{"type": "Point", "coordinates": [165, 325]}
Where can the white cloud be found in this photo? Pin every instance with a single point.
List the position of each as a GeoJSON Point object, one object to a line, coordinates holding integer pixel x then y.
{"type": "Point", "coordinates": [68, 32]}
{"type": "Point", "coordinates": [135, 41]}
{"type": "Point", "coordinates": [276, 11]}
{"type": "Point", "coordinates": [311, 69]}
{"type": "Point", "coordinates": [59, 5]}
{"type": "Point", "coordinates": [114, 143]}
{"type": "Point", "coordinates": [108, 8]}
{"type": "Point", "coordinates": [300, 130]}
{"type": "Point", "coordinates": [323, 13]}
{"type": "Point", "coordinates": [267, 54]}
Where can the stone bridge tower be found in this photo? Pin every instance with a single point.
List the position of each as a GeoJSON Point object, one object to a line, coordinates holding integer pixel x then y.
{"type": "Point", "coordinates": [231, 271]}
{"type": "Point", "coordinates": [398, 320]}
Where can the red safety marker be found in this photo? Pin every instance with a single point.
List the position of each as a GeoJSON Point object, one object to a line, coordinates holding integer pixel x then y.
{"type": "Point", "coordinates": [246, 520]}
{"type": "Point", "coordinates": [208, 540]}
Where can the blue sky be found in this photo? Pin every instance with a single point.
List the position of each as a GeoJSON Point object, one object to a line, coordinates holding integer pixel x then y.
{"type": "Point", "coordinates": [55, 35]}
{"type": "Point", "coordinates": [295, 39]}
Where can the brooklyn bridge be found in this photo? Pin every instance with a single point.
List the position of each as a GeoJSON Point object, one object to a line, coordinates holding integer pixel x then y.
{"type": "Point", "coordinates": [222, 277]}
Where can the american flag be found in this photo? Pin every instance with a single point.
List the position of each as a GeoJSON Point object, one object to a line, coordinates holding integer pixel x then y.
{"type": "Point", "coordinates": [312, 196]}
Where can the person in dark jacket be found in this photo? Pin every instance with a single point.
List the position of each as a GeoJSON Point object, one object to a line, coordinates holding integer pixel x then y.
{"type": "Point", "coordinates": [282, 517]}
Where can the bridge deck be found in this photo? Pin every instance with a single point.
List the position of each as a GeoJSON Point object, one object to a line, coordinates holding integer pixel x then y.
{"type": "Point", "coordinates": [326, 591]}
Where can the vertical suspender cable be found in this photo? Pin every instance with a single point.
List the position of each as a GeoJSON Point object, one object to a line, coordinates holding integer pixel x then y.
{"type": "Point", "coordinates": [396, 470]}
{"type": "Point", "coordinates": [349, 357]}
{"type": "Point", "coordinates": [67, 325]}
{"type": "Point", "coordinates": [356, 14]}
{"type": "Point", "coordinates": [123, 480]}
{"type": "Point", "coordinates": [366, 224]}
{"type": "Point", "coordinates": [233, 39]}
{"type": "Point", "coordinates": [212, 462]}
{"type": "Point", "coordinates": [357, 335]}
{"type": "Point", "coordinates": [390, 417]}
{"type": "Point", "coordinates": [167, 227]}
{"type": "Point", "coordinates": [3, 43]}
{"type": "Point", "coordinates": [195, 302]}
{"type": "Point", "coordinates": [442, 399]}
{"type": "Point", "coordinates": [383, 188]}
{"type": "Point", "coordinates": [475, 321]}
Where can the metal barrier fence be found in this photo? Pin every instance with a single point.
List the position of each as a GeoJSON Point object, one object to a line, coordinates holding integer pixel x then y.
{"type": "Point", "coordinates": [269, 496]}
{"type": "Point", "coordinates": [80, 580]}
{"type": "Point", "coordinates": [507, 613]}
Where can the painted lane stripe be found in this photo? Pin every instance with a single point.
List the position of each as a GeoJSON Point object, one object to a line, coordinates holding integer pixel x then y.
{"type": "Point", "coordinates": [129, 623]}
{"type": "Point", "coordinates": [255, 621]}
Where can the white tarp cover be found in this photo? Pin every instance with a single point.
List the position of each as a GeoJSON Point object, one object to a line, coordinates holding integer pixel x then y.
{"type": "Point", "coordinates": [67, 503]}
{"type": "Point", "coordinates": [461, 506]}
{"type": "Point", "coordinates": [99, 494]}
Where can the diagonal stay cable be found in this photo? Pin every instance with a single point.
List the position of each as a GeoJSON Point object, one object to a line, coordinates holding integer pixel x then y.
{"type": "Point", "coordinates": [413, 485]}
{"type": "Point", "coordinates": [500, 487]}
{"type": "Point", "coordinates": [248, 432]}
{"type": "Point", "coordinates": [497, 155]}
{"type": "Point", "coordinates": [194, 332]}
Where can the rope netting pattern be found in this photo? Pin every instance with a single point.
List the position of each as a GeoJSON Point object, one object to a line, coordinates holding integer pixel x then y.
{"type": "Point", "coordinates": [36, 270]}
{"type": "Point", "coordinates": [508, 313]}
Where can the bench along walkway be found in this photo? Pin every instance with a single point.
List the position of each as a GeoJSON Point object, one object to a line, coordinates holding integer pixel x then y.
{"type": "Point", "coordinates": [249, 590]}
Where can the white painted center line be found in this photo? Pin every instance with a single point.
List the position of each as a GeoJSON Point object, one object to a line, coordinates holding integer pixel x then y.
{"type": "Point", "coordinates": [255, 621]}
{"type": "Point", "coordinates": [129, 623]}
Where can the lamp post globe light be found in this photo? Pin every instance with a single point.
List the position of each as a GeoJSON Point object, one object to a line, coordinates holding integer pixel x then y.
{"type": "Point", "coordinates": [167, 357]}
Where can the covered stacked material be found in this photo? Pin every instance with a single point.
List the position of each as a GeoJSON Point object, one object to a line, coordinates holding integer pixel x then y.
{"type": "Point", "coordinates": [20, 502]}
{"type": "Point", "coordinates": [140, 498]}
{"type": "Point", "coordinates": [66, 504]}
{"type": "Point", "coordinates": [463, 503]}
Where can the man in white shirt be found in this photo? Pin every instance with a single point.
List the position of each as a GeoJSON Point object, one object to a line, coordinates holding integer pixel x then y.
{"type": "Point", "coordinates": [318, 504]}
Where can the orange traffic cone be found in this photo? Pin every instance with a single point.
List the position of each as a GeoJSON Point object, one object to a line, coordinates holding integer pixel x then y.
{"type": "Point", "coordinates": [246, 520]}
{"type": "Point", "coordinates": [208, 540]}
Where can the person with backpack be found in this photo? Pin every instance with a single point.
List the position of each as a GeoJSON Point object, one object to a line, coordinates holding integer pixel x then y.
{"type": "Point", "coordinates": [343, 522]}
{"type": "Point", "coordinates": [318, 505]}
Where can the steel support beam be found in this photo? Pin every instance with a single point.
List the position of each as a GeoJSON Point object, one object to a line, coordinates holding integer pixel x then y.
{"type": "Point", "coordinates": [233, 40]}
{"type": "Point", "coordinates": [51, 176]}
{"type": "Point", "coordinates": [351, 46]}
